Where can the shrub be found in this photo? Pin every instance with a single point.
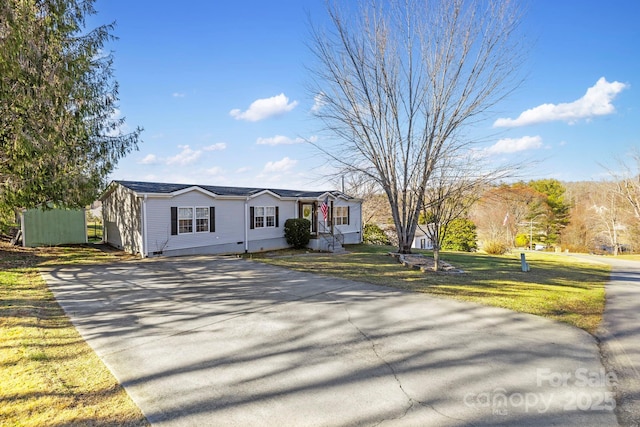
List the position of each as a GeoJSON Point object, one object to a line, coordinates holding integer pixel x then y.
{"type": "Point", "coordinates": [460, 236]}
{"type": "Point", "coordinates": [373, 235]}
{"type": "Point", "coordinates": [297, 231]}
{"type": "Point", "coordinates": [495, 248]}
{"type": "Point", "coordinates": [522, 240]}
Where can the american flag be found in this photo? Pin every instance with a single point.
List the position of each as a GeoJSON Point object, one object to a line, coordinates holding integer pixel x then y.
{"type": "Point", "coordinates": [506, 219]}
{"type": "Point", "coordinates": [325, 208]}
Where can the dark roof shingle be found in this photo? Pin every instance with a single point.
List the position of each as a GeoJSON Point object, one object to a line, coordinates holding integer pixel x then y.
{"type": "Point", "coordinates": [167, 188]}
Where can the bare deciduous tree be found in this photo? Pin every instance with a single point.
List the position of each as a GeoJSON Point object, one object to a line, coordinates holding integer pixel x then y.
{"type": "Point", "coordinates": [397, 83]}
{"type": "Point", "coordinates": [628, 181]}
{"type": "Point", "coordinates": [455, 186]}
{"type": "Point", "coordinates": [606, 204]}
{"type": "Point", "coordinates": [503, 210]}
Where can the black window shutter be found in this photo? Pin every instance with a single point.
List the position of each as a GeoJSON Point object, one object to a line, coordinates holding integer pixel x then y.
{"type": "Point", "coordinates": [348, 214]}
{"type": "Point", "coordinates": [174, 220]}
{"type": "Point", "coordinates": [277, 216]}
{"type": "Point", "coordinates": [251, 218]}
{"type": "Point", "coordinates": [212, 219]}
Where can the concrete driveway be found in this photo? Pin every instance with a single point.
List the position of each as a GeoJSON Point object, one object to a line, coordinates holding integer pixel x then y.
{"type": "Point", "coordinates": [224, 341]}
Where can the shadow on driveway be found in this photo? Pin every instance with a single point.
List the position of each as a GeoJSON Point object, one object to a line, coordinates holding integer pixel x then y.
{"type": "Point", "coordinates": [620, 334]}
{"type": "Point", "coordinates": [224, 341]}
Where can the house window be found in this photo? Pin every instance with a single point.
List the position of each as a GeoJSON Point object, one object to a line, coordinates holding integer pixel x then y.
{"type": "Point", "coordinates": [264, 216]}
{"type": "Point", "coordinates": [185, 220]}
{"type": "Point", "coordinates": [202, 219]}
{"type": "Point", "coordinates": [188, 219]}
{"type": "Point", "coordinates": [341, 215]}
{"type": "Point", "coordinates": [259, 218]}
{"type": "Point", "coordinates": [270, 216]}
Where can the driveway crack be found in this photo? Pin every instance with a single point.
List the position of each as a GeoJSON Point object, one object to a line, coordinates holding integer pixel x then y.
{"type": "Point", "coordinates": [410, 400]}
{"type": "Point", "coordinates": [372, 343]}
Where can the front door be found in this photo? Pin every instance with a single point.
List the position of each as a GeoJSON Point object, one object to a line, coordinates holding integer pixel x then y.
{"type": "Point", "coordinates": [307, 211]}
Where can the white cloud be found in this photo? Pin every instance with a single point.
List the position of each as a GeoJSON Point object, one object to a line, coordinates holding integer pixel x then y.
{"type": "Point", "coordinates": [318, 102]}
{"type": "Point", "coordinates": [280, 166]}
{"type": "Point", "coordinates": [264, 108]}
{"type": "Point", "coordinates": [596, 102]}
{"type": "Point", "coordinates": [216, 147]}
{"type": "Point", "coordinates": [284, 140]}
{"type": "Point", "coordinates": [216, 170]}
{"type": "Point", "coordinates": [278, 140]}
{"type": "Point", "coordinates": [243, 169]}
{"type": "Point", "coordinates": [185, 157]}
{"type": "Point", "coordinates": [178, 95]}
{"type": "Point", "coordinates": [514, 145]}
{"type": "Point", "coordinates": [149, 159]}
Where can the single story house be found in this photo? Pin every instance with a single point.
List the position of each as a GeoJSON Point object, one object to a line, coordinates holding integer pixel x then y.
{"type": "Point", "coordinates": [52, 226]}
{"type": "Point", "coordinates": [152, 218]}
{"type": "Point", "coordinates": [422, 239]}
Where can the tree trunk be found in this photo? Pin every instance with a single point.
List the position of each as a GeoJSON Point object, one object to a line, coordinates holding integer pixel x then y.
{"type": "Point", "coordinates": [436, 257]}
{"type": "Point", "coordinates": [404, 245]}
{"type": "Point", "coordinates": [436, 247]}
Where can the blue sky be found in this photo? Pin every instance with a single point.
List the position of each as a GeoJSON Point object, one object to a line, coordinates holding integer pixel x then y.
{"type": "Point", "coordinates": [219, 88]}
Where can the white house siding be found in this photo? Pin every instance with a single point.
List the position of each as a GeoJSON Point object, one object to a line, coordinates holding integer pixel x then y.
{"type": "Point", "coordinates": [421, 240]}
{"type": "Point", "coordinates": [228, 236]}
{"type": "Point", "coordinates": [352, 232]}
{"type": "Point", "coordinates": [124, 212]}
{"type": "Point", "coordinates": [268, 238]}
{"type": "Point", "coordinates": [122, 220]}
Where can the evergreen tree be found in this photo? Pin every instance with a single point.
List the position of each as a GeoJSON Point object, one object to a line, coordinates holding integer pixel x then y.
{"type": "Point", "coordinates": [551, 216]}
{"type": "Point", "coordinates": [60, 134]}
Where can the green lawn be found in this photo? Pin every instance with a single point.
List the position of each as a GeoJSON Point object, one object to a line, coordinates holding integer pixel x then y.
{"type": "Point", "coordinates": [49, 375]}
{"type": "Point", "coordinates": [558, 287]}
{"type": "Point", "coordinates": [94, 231]}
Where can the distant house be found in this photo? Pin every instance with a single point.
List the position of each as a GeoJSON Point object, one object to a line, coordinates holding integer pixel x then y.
{"type": "Point", "coordinates": [53, 226]}
{"type": "Point", "coordinates": [151, 219]}
{"type": "Point", "coordinates": [422, 240]}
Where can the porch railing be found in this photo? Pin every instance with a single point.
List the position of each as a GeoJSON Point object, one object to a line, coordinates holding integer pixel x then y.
{"type": "Point", "coordinates": [331, 235]}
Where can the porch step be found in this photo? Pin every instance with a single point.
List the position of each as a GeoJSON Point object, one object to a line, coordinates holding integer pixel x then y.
{"type": "Point", "coordinates": [337, 248]}
{"type": "Point", "coordinates": [331, 244]}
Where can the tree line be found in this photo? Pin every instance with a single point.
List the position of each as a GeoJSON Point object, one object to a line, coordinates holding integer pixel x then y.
{"type": "Point", "coordinates": [546, 214]}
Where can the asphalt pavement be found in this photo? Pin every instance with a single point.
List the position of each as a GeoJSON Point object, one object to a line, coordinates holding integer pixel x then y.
{"type": "Point", "coordinates": [620, 335]}
{"type": "Point", "coordinates": [220, 341]}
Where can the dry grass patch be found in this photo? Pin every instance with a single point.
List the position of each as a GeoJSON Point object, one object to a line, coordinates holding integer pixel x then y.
{"type": "Point", "coordinates": [558, 287]}
{"type": "Point", "coordinates": [49, 375]}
